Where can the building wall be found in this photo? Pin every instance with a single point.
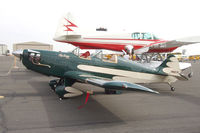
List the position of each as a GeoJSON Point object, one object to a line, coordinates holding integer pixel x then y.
{"type": "Point", "coordinates": [35, 45]}
{"type": "Point", "coordinates": [3, 49]}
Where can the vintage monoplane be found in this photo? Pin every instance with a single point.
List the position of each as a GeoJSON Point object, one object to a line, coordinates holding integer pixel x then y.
{"type": "Point", "coordinates": [110, 72]}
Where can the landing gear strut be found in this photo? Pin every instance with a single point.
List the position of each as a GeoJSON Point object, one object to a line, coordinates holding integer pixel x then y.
{"type": "Point", "coordinates": [62, 87]}
{"type": "Point", "coordinates": [56, 82]}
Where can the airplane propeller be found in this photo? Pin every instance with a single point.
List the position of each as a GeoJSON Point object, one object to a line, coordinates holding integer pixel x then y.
{"type": "Point", "coordinates": [18, 53]}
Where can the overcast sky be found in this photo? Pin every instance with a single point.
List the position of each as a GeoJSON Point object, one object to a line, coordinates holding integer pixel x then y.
{"type": "Point", "coordinates": [37, 20]}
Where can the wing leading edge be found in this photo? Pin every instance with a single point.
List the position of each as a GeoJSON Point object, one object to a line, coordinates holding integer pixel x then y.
{"type": "Point", "coordinates": [105, 83]}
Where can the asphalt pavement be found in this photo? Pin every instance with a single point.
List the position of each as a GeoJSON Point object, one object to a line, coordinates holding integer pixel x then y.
{"type": "Point", "coordinates": [27, 105]}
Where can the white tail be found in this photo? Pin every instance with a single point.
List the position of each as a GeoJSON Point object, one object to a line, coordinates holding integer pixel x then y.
{"type": "Point", "coordinates": [170, 66]}
{"type": "Point", "coordinates": [67, 29]}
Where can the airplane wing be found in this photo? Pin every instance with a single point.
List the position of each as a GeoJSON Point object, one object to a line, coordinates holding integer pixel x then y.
{"type": "Point", "coordinates": [105, 83]}
{"type": "Point", "coordinates": [162, 46]}
{"type": "Point", "coordinates": [178, 43]}
{"type": "Point", "coordinates": [142, 50]}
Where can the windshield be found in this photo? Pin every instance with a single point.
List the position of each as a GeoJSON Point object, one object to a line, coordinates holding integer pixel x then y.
{"type": "Point", "coordinates": [76, 51]}
{"type": "Point", "coordinates": [106, 57]}
{"type": "Point", "coordinates": [144, 36]}
{"type": "Point", "coordinates": [136, 35]}
{"type": "Point", "coordinates": [98, 54]}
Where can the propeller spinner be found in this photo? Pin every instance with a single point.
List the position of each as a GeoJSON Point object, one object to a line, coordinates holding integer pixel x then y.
{"type": "Point", "coordinates": [18, 53]}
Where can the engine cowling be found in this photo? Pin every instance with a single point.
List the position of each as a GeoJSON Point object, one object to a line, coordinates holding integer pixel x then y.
{"type": "Point", "coordinates": [67, 92]}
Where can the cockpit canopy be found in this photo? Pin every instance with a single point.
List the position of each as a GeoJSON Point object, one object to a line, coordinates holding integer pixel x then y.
{"type": "Point", "coordinates": [104, 57]}
{"type": "Point", "coordinates": [144, 35]}
{"type": "Point", "coordinates": [111, 58]}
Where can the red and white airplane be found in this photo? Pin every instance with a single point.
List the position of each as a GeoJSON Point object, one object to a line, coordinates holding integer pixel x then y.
{"type": "Point", "coordinates": [142, 42]}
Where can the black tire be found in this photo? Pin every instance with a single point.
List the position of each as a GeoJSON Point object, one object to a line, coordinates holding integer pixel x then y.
{"type": "Point", "coordinates": [172, 89]}
{"type": "Point", "coordinates": [190, 75]}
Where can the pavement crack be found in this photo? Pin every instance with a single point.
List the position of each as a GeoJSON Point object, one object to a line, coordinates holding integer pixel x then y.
{"type": "Point", "coordinates": [3, 126]}
{"type": "Point", "coordinates": [3, 122]}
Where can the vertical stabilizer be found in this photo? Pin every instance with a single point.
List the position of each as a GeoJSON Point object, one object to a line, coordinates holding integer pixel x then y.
{"type": "Point", "coordinates": [170, 66]}
{"type": "Point", "coordinates": [67, 28]}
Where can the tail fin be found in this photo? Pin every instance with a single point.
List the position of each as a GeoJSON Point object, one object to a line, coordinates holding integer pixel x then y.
{"type": "Point", "coordinates": [170, 66]}
{"type": "Point", "coordinates": [67, 29]}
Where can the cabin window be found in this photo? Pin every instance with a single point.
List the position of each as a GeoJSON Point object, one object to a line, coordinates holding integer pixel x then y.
{"type": "Point", "coordinates": [144, 36]}
{"type": "Point", "coordinates": [136, 35]}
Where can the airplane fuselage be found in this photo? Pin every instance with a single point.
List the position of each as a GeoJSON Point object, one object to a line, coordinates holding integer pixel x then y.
{"type": "Point", "coordinates": [117, 43]}
{"type": "Point", "coordinates": [58, 63]}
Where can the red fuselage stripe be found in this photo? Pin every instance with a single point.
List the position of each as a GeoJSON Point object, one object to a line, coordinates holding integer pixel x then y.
{"type": "Point", "coordinates": [117, 47]}
{"type": "Point", "coordinates": [112, 46]}
{"type": "Point", "coordinates": [122, 39]}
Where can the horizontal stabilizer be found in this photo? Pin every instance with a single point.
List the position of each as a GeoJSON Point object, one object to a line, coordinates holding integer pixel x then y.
{"type": "Point", "coordinates": [171, 67]}
{"type": "Point", "coordinates": [176, 43]}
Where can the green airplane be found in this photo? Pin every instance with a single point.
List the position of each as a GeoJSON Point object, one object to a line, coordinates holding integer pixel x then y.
{"type": "Point", "coordinates": [111, 72]}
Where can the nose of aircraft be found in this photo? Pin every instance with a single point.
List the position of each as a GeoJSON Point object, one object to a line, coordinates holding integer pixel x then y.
{"type": "Point", "coordinates": [17, 53]}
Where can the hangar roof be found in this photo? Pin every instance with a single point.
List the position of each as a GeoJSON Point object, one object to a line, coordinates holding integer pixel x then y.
{"type": "Point", "coordinates": [32, 43]}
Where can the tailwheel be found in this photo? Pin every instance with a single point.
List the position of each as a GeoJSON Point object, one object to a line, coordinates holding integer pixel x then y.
{"type": "Point", "coordinates": [172, 89]}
